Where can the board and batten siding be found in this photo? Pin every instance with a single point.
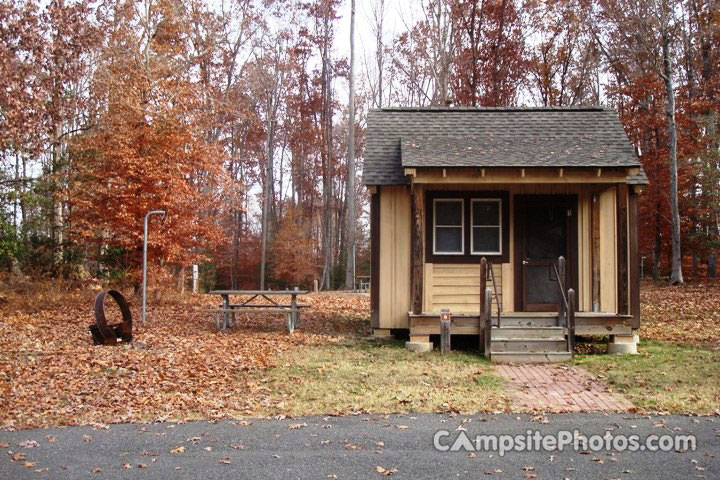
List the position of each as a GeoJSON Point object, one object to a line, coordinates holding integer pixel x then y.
{"type": "Point", "coordinates": [608, 251]}
{"type": "Point", "coordinates": [394, 303]}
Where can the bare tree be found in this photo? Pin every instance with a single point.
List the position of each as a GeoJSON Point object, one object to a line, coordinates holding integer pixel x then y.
{"type": "Point", "coordinates": [350, 193]}
{"type": "Point", "coordinates": [643, 32]}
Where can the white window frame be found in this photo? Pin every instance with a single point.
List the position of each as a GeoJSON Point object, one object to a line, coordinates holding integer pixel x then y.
{"type": "Point", "coordinates": [499, 226]}
{"type": "Point", "coordinates": [461, 226]}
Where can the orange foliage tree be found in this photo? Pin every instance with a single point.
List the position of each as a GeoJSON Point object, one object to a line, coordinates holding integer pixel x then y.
{"type": "Point", "coordinates": [148, 150]}
{"type": "Point", "coordinates": [291, 261]}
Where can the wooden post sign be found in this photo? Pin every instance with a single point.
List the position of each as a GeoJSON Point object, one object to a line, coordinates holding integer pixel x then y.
{"type": "Point", "coordinates": [445, 321]}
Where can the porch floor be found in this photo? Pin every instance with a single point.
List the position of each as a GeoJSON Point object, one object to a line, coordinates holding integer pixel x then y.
{"type": "Point", "coordinates": [586, 323]}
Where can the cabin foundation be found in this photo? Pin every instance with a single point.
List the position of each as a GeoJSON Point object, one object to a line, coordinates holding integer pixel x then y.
{"type": "Point", "coordinates": [623, 344]}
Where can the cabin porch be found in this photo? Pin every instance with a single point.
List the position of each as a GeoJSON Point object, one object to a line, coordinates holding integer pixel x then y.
{"type": "Point", "coordinates": [591, 225]}
{"type": "Point", "coordinates": [526, 336]}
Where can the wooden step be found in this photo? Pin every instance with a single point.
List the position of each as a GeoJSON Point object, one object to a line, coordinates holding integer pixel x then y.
{"type": "Point", "coordinates": [528, 321]}
{"type": "Point", "coordinates": [511, 333]}
{"type": "Point", "coordinates": [528, 345]}
{"type": "Point", "coordinates": [530, 357]}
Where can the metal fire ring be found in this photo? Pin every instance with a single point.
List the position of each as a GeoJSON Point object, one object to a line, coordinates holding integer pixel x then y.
{"type": "Point", "coordinates": [108, 332]}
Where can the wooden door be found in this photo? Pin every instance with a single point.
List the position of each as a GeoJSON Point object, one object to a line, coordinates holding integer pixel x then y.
{"type": "Point", "coordinates": [547, 227]}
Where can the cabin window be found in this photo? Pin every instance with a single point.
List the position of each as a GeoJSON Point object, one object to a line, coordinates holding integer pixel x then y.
{"type": "Point", "coordinates": [464, 226]}
{"type": "Point", "coordinates": [486, 226]}
{"type": "Point", "coordinates": [448, 226]}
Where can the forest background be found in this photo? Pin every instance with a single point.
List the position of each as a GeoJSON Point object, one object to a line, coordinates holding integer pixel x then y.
{"type": "Point", "coordinates": [232, 116]}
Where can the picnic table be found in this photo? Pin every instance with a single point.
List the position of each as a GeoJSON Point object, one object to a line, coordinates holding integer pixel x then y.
{"type": "Point", "coordinates": [225, 313]}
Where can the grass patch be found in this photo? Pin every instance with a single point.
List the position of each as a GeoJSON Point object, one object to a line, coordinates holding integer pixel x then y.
{"type": "Point", "coordinates": [663, 377]}
{"type": "Point", "coordinates": [365, 376]}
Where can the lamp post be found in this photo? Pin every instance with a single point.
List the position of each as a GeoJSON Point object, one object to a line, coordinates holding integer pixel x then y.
{"type": "Point", "coordinates": [144, 279]}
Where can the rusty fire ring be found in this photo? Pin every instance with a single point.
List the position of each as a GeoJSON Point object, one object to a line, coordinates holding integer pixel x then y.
{"type": "Point", "coordinates": [110, 334]}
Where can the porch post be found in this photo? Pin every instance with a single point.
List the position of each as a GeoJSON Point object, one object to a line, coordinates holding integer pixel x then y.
{"type": "Point", "coordinates": [622, 248]}
{"type": "Point", "coordinates": [417, 247]}
{"type": "Point", "coordinates": [634, 259]}
{"type": "Point", "coordinates": [375, 258]}
{"type": "Point", "coordinates": [595, 247]}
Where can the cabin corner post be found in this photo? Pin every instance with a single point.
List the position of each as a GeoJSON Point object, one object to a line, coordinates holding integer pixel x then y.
{"type": "Point", "coordinates": [623, 292]}
{"type": "Point", "coordinates": [417, 207]}
{"type": "Point", "coordinates": [595, 250]}
{"type": "Point", "coordinates": [634, 259]}
{"type": "Point", "coordinates": [375, 258]}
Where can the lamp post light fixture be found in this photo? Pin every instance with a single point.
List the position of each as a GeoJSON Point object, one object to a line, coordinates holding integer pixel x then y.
{"type": "Point", "coordinates": [144, 279]}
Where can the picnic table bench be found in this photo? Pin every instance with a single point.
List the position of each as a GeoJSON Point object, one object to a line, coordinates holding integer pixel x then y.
{"type": "Point", "coordinates": [225, 313]}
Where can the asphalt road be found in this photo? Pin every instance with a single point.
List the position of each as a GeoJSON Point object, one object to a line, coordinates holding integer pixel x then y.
{"type": "Point", "coordinates": [353, 447]}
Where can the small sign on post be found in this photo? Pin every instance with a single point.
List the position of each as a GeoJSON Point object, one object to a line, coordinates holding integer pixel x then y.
{"type": "Point", "coordinates": [445, 321]}
{"type": "Point", "coordinates": [196, 278]}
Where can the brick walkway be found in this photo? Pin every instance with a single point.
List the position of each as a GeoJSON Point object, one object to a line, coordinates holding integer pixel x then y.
{"type": "Point", "coordinates": [559, 388]}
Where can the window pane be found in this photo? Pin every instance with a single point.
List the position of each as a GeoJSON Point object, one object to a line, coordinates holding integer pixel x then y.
{"type": "Point", "coordinates": [486, 239]}
{"type": "Point", "coordinates": [448, 213]}
{"type": "Point", "coordinates": [546, 227]}
{"type": "Point", "coordinates": [448, 239]}
{"type": "Point", "coordinates": [542, 287]}
{"type": "Point", "coordinates": [486, 213]}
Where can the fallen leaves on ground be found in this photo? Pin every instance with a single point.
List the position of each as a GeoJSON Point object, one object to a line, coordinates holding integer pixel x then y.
{"type": "Point", "coordinates": [384, 471]}
{"type": "Point", "coordinates": [687, 313]}
{"type": "Point", "coordinates": [179, 367]}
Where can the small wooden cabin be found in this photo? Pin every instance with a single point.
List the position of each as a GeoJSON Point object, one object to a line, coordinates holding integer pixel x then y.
{"type": "Point", "coordinates": [513, 189]}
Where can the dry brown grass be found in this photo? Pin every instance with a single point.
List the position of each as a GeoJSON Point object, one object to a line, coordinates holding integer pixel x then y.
{"type": "Point", "coordinates": [365, 376]}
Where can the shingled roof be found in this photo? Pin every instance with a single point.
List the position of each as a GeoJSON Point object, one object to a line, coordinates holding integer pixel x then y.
{"type": "Point", "coordinates": [492, 137]}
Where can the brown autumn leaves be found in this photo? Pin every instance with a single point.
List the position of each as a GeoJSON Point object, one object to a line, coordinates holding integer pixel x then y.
{"type": "Point", "coordinates": [178, 367]}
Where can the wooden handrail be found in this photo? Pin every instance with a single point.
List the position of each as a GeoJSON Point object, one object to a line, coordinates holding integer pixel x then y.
{"type": "Point", "coordinates": [571, 323]}
{"type": "Point", "coordinates": [497, 297]}
{"type": "Point", "coordinates": [485, 343]}
{"type": "Point", "coordinates": [566, 306]}
{"type": "Point", "coordinates": [486, 316]}
{"type": "Point", "coordinates": [563, 304]}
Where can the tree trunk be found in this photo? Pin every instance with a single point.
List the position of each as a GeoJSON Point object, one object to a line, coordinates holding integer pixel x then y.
{"type": "Point", "coordinates": [57, 206]}
{"type": "Point", "coordinates": [379, 49]}
{"type": "Point", "coordinates": [657, 246]}
{"type": "Point", "coordinates": [676, 276]}
{"type": "Point", "coordinates": [181, 279]}
{"type": "Point", "coordinates": [327, 156]}
{"type": "Point", "coordinates": [266, 200]}
{"type": "Point", "coordinates": [350, 193]}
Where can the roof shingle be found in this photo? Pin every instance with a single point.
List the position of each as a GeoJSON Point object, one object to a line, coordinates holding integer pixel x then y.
{"type": "Point", "coordinates": [492, 137]}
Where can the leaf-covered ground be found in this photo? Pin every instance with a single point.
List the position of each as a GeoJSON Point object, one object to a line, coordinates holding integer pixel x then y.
{"type": "Point", "coordinates": [684, 314]}
{"type": "Point", "coordinates": [178, 367]}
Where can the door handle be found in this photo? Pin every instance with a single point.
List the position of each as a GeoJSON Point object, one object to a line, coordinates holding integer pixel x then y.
{"type": "Point", "coordinates": [524, 262]}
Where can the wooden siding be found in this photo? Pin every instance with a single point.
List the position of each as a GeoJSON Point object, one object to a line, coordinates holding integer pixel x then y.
{"type": "Point", "coordinates": [394, 256]}
{"type": "Point", "coordinates": [608, 251]}
{"type": "Point", "coordinates": [457, 287]}
{"type": "Point", "coordinates": [584, 296]}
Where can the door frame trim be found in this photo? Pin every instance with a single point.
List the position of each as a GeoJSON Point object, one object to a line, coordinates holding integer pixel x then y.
{"type": "Point", "coordinates": [572, 259]}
